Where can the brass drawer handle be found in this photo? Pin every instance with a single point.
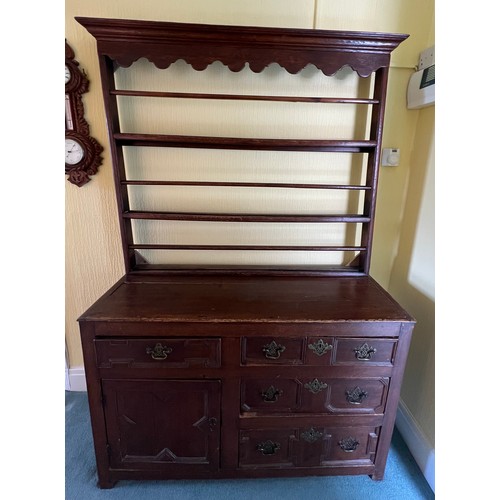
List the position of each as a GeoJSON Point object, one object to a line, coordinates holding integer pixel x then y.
{"type": "Point", "coordinates": [159, 352]}
{"type": "Point", "coordinates": [349, 444]}
{"type": "Point", "coordinates": [315, 386]}
{"type": "Point", "coordinates": [271, 395]}
{"type": "Point", "coordinates": [268, 447]}
{"type": "Point", "coordinates": [273, 350]}
{"type": "Point", "coordinates": [355, 396]}
{"type": "Point", "coordinates": [320, 347]}
{"type": "Point", "coordinates": [311, 435]}
{"type": "Point", "coordinates": [364, 352]}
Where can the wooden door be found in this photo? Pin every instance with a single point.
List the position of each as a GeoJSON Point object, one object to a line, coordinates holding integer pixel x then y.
{"type": "Point", "coordinates": [163, 424]}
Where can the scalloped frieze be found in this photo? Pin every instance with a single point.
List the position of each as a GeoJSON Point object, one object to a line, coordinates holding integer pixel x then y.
{"type": "Point", "coordinates": [363, 64]}
{"type": "Point", "coordinates": [363, 67]}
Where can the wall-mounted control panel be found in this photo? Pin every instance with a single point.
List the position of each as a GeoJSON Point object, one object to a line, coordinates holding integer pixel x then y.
{"type": "Point", "coordinates": [390, 157]}
{"type": "Point", "coordinates": [421, 90]}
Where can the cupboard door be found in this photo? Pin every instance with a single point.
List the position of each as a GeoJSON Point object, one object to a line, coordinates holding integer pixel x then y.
{"type": "Point", "coordinates": [163, 424]}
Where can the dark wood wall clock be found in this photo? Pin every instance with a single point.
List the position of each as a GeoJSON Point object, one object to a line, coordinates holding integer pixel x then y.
{"type": "Point", "coordinates": [82, 152]}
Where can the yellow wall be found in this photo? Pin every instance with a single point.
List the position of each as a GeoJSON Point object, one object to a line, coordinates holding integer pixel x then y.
{"type": "Point", "coordinates": [418, 387]}
{"type": "Point", "coordinates": [412, 274]}
{"type": "Point", "coordinates": [93, 255]}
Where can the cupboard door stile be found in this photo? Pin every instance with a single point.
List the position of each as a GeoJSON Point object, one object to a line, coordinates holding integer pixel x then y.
{"type": "Point", "coordinates": [96, 399]}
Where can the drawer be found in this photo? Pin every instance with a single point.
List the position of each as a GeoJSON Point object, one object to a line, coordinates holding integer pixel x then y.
{"type": "Point", "coordinates": [287, 351]}
{"type": "Point", "coordinates": [365, 350]}
{"type": "Point", "coordinates": [266, 396]}
{"type": "Point", "coordinates": [310, 446]}
{"type": "Point", "coordinates": [317, 351]}
{"type": "Point", "coordinates": [158, 352]}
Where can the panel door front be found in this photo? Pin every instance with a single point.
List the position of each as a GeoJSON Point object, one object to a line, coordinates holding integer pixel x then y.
{"type": "Point", "coordinates": [163, 424]}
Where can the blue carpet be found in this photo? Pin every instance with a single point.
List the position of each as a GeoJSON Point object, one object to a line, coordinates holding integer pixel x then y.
{"type": "Point", "coordinates": [402, 481]}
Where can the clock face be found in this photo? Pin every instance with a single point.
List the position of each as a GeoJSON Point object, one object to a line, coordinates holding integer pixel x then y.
{"type": "Point", "coordinates": [68, 75]}
{"type": "Point", "coordinates": [74, 152]}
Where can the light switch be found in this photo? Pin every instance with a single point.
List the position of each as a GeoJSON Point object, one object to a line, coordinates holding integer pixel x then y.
{"type": "Point", "coordinates": [390, 157]}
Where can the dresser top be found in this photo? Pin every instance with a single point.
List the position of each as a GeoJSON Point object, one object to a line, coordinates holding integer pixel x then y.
{"type": "Point", "coordinates": [231, 299]}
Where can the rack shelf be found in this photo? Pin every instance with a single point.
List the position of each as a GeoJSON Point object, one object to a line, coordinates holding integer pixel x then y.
{"type": "Point", "coordinates": [243, 97]}
{"type": "Point", "coordinates": [307, 248]}
{"type": "Point", "coordinates": [246, 185]}
{"type": "Point", "coordinates": [138, 214]}
{"type": "Point", "coordinates": [181, 141]}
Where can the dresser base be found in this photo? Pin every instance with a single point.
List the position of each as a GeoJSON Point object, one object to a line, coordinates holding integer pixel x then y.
{"type": "Point", "coordinates": [212, 378]}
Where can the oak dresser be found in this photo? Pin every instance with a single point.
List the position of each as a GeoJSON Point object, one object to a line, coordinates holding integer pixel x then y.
{"type": "Point", "coordinates": [243, 371]}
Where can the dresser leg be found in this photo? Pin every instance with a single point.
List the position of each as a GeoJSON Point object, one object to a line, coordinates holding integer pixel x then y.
{"type": "Point", "coordinates": [377, 476]}
{"type": "Point", "coordinates": [106, 484]}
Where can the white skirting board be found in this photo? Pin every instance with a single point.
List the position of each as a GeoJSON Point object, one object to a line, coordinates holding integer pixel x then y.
{"type": "Point", "coordinates": [417, 443]}
{"type": "Point", "coordinates": [75, 379]}
{"type": "Point", "coordinates": [67, 383]}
